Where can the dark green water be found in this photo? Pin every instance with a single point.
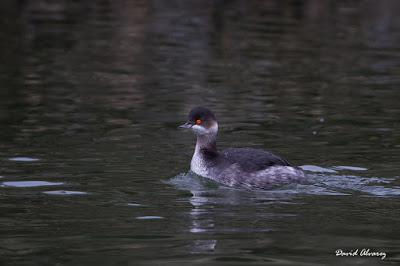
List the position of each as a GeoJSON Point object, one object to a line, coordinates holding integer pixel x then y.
{"type": "Point", "coordinates": [93, 169]}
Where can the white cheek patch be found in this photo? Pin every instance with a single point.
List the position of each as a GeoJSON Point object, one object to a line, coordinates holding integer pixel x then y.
{"type": "Point", "coordinates": [213, 129]}
{"type": "Point", "coordinates": [199, 130]}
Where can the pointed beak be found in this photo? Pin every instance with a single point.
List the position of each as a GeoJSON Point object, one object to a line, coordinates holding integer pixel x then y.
{"type": "Point", "coordinates": [186, 125]}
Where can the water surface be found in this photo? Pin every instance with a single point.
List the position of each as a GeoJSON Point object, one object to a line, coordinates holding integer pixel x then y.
{"type": "Point", "coordinates": [94, 172]}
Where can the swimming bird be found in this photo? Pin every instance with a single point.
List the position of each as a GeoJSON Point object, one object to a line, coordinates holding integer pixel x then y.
{"type": "Point", "coordinates": [235, 167]}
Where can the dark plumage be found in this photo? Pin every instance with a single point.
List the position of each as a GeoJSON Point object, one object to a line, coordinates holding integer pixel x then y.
{"type": "Point", "coordinates": [251, 160]}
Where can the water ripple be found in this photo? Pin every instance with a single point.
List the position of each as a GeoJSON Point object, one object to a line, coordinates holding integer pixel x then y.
{"type": "Point", "coordinates": [23, 159]}
{"type": "Point", "coordinates": [149, 217]}
{"type": "Point", "coordinates": [30, 183]}
{"type": "Point", "coordinates": [65, 193]}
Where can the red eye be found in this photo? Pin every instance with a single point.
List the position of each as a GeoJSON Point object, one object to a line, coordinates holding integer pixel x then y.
{"type": "Point", "coordinates": [198, 121]}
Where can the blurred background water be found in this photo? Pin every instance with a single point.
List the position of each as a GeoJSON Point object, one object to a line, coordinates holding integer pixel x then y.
{"type": "Point", "coordinates": [92, 168]}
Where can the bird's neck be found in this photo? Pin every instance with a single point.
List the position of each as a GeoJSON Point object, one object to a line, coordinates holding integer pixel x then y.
{"type": "Point", "coordinates": [206, 144]}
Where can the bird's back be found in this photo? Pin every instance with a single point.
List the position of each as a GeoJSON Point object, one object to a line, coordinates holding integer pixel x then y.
{"type": "Point", "coordinates": [251, 160]}
{"type": "Point", "coordinates": [253, 168]}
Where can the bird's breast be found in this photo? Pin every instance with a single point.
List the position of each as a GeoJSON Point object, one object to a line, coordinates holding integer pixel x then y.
{"type": "Point", "coordinates": [198, 165]}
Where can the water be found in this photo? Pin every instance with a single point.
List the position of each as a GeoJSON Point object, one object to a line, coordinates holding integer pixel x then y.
{"type": "Point", "coordinates": [94, 172]}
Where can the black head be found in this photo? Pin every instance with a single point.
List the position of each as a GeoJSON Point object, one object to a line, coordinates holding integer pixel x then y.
{"type": "Point", "coordinates": [202, 121]}
{"type": "Point", "coordinates": [201, 113]}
